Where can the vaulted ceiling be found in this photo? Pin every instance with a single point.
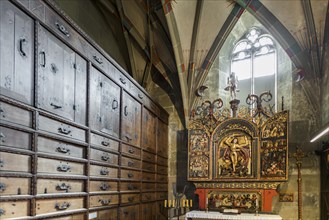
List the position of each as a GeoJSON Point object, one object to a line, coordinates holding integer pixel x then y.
{"type": "Point", "coordinates": [171, 44]}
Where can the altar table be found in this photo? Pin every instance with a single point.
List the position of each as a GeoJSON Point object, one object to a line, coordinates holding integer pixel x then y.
{"type": "Point", "coordinates": [218, 215]}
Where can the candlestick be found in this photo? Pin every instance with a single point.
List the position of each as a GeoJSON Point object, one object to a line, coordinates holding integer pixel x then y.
{"type": "Point", "coordinates": [191, 203]}
{"type": "Point", "coordinates": [165, 203]}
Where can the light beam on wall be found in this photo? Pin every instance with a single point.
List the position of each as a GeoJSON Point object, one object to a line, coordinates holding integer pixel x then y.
{"type": "Point", "coordinates": [319, 135]}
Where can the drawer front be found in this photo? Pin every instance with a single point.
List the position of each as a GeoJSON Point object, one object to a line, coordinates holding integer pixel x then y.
{"type": "Point", "coordinates": [148, 210]}
{"type": "Point", "coordinates": [97, 58]}
{"type": "Point", "coordinates": [108, 214]}
{"type": "Point", "coordinates": [130, 151]}
{"type": "Point", "coordinates": [130, 186]}
{"type": "Point", "coordinates": [162, 169]}
{"type": "Point", "coordinates": [130, 198]}
{"type": "Point", "coordinates": [15, 162]}
{"type": "Point", "coordinates": [129, 212]}
{"type": "Point", "coordinates": [46, 206]}
{"type": "Point", "coordinates": [71, 217]}
{"type": "Point", "coordinates": [102, 171]}
{"type": "Point", "coordinates": [162, 161]}
{"type": "Point", "coordinates": [103, 186]}
{"type": "Point", "coordinates": [104, 156]}
{"type": "Point", "coordinates": [148, 157]}
{"type": "Point", "coordinates": [161, 195]}
{"type": "Point", "coordinates": [14, 138]}
{"type": "Point", "coordinates": [122, 80]}
{"type": "Point", "coordinates": [149, 166]}
{"type": "Point", "coordinates": [162, 187]}
{"type": "Point", "coordinates": [106, 143]}
{"type": "Point", "coordinates": [48, 186]}
{"type": "Point", "coordinates": [14, 186]}
{"type": "Point", "coordinates": [60, 128]}
{"type": "Point", "coordinates": [147, 197]}
{"type": "Point", "coordinates": [151, 105]}
{"type": "Point", "coordinates": [103, 200]}
{"type": "Point", "coordinates": [60, 167]}
{"type": "Point", "coordinates": [60, 148]}
{"type": "Point", "coordinates": [14, 209]}
{"type": "Point", "coordinates": [148, 176]}
{"type": "Point", "coordinates": [148, 187]}
{"type": "Point", "coordinates": [162, 178]}
{"type": "Point", "coordinates": [131, 163]}
{"type": "Point", "coordinates": [15, 114]}
{"type": "Point", "coordinates": [131, 174]}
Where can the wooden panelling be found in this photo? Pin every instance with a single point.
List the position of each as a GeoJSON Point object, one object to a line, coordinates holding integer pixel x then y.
{"type": "Point", "coordinates": [104, 142]}
{"type": "Point", "coordinates": [130, 212]}
{"type": "Point", "coordinates": [103, 171]}
{"type": "Point", "coordinates": [104, 156]}
{"type": "Point", "coordinates": [103, 186]}
{"type": "Point", "coordinates": [103, 200]}
{"type": "Point", "coordinates": [14, 209]}
{"type": "Point", "coordinates": [15, 162]}
{"type": "Point", "coordinates": [22, 186]}
{"type": "Point", "coordinates": [15, 115]}
{"type": "Point", "coordinates": [46, 206]}
{"type": "Point", "coordinates": [148, 211]}
{"type": "Point", "coordinates": [14, 138]}
{"type": "Point", "coordinates": [60, 167]}
{"type": "Point", "coordinates": [48, 186]}
{"type": "Point", "coordinates": [162, 139]}
{"type": "Point", "coordinates": [149, 131]}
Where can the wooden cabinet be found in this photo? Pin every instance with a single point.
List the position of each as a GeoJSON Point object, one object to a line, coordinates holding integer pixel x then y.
{"type": "Point", "coordinates": [81, 139]}
{"type": "Point", "coordinates": [105, 104]}
{"type": "Point", "coordinates": [17, 53]}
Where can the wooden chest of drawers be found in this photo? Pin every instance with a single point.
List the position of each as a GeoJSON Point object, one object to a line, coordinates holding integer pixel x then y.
{"type": "Point", "coordinates": [78, 136]}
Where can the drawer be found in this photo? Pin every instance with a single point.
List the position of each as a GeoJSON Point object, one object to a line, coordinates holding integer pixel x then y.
{"type": "Point", "coordinates": [60, 167]}
{"type": "Point", "coordinates": [148, 176]}
{"type": "Point", "coordinates": [14, 209]}
{"type": "Point", "coordinates": [46, 206]}
{"type": "Point", "coordinates": [97, 58]}
{"type": "Point", "coordinates": [108, 214]}
{"type": "Point", "coordinates": [162, 169]}
{"type": "Point", "coordinates": [103, 171]}
{"type": "Point", "coordinates": [15, 162]}
{"type": "Point", "coordinates": [103, 200]}
{"type": "Point", "coordinates": [130, 186]}
{"type": "Point", "coordinates": [162, 187]}
{"type": "Point", "coordinates": [14, 138]}
{"type": "Point", "coordinates": [161, 195]}
{"type": "Point", "coordinates": [60, 128]}
{"type": "Point", "coordinates": [162, 161]}
{"type": "Point", "coordinates": [131, 163]}
{"type": "Point", "coordinates": [130, 198]}
{"type": "Point", "coordinates": [129, 212]}
{"type": "Point", "coordinates": [162, 178]}
{"type": "Point", "coordinates": [15, 186]}
{"type": "Point", "coordinates": [130, 151]}
{"type": "Point", "coordinates": [147, 197]}
{"type": "Point", "coordinates": [162, 150]}
{"type": "Point", "coordinates": [122, 80]}
{"type": "Point", "coordinates": [15, 115]}
{"type": "Point", "coordinates": [148, 187]}
{"type": "Point", "coordinates": [130, 174]}
{"type": "Point", "coordinates": [71, 217]}
{"type": "Point", "coordinates": [149, 166]}
{"type": "Point", "coordinates": [151, 105]}
{"type": "Point", "coordinates": [103, 186]}
{"type": "Point", "coordinates": [148, 157]}
{"type": "Point", "coordinates": [104, 156]}
{"type": "Point", "coordinates": [106, 143]}
{"type": "Point", "coordinates": [60, 148]}
{"type": "Point", "coordinates": [48, 186]}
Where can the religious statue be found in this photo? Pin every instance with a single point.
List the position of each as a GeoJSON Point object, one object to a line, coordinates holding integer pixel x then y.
{"type": "Point", "coordinates": [232, 84]}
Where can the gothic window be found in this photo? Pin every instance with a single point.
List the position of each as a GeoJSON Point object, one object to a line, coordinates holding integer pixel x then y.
{"type": "Point", "coordinates": [254, 62]}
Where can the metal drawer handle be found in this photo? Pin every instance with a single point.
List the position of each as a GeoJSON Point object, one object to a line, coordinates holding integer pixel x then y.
{"type": "Point", "coordinates": [128, 138]}
{"type": "Point", "coordinates": [131, 199]}
{"type": "Point", "coordinates": [125, 212]}
{"type": "Point", "coordinates": [148, 197]}
{"type": "Point", "coordinates": [131, 150]}
{"type": "Point", "coordinates": [63, 206]}
{"type": "Point", "coordinates": [104, 171]}
{"type": "Point", "coordinates": [2, 137]}
{"type": "Point", "coordinates": [105, 157]}
{"type": "Point", "coordinates": [43, 54]}
{"type": "Point", "coordinates": [2, 187]}
{"type": "Point", "coordinates": [125, 112]}
{"type": "Point", "coordinates": [131, 187]}
{"type": "Point", "coordinates": [63, 168]}
{"type": "Point", "coordinates": [62, 149]}
{"type": "Point", "coordinates": [63, 186]}
{"type": "Point", "coordinates": [2, 112]}
{"type": "Point", "coordinates": [115, 104]}
{"type": "Point", "coordinates": [2, 163]}
{"type": "Point", "coordinates": [140, 96]}
{"type": "Point", "coordinates": [105, 143]}
{"type": "Point", "coordinates": [2, 212]}
{"type": "Point", "coordinates": [98, 59]}
{"type": "Point", "coordinates": [104, 186]}
{"type": "Point", "coordinates": [64, 130]}
{"type": "Point", "coordinates": [54, 68]}
{"type": "Point", "coordinates": [55, 106]}
{"type": "Point", "coordinates": [21, 42]}
{"type": "Point", "coordinates": [130, 175]}
{"type": "Point", "coordinates": [130, 163]}
{"type": "Point", "coordinates": [122, 80]}
{"type": "Point", "coordinates": [62, 29]}
{"type": "Point", "coordinates": [104, 201]}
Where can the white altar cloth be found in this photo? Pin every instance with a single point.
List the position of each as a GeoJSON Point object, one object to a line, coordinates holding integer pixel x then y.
{"type": "Point", "coordinates": [218, 215]}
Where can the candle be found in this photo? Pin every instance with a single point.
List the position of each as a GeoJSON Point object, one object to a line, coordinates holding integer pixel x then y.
{"type": "Point", "coordinates": [169, 203]}
{"type": "Point", "coordinates": [257, 204]}
{"type": "Point", "coordinates": [173, 203]}
{"type": "Point", "coordinates": [165, 203]}
{"type": "Point", "coordinates": [191, 203]}
{"type": "Point", "coordinates": [183, 202]}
